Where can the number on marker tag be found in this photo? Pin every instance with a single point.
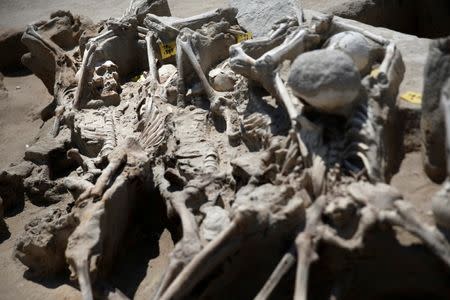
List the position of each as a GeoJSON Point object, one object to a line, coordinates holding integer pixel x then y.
{"type": "Point", "coordinates": [240, 37]}
{"type": "Point", "coordinates": [412, 97]}
{"type": "Point", "coordinates": [375, 73]}
{"type": "Point", "coordinates": [168, 50]}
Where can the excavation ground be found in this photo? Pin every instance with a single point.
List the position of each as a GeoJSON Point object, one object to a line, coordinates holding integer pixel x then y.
{"type": "Point", "coordinates": [20, 122]}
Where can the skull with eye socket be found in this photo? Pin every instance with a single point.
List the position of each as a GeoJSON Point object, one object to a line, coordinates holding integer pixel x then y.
{"type": "Point", "coordinates": [105, 83]}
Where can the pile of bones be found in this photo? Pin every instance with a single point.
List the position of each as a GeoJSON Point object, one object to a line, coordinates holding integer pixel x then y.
{"type": "Point", "coordinates": [266, 152]}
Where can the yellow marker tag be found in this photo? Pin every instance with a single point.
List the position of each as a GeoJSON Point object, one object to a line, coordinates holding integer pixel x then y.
{"type": "Point", "coordinates": [168, 50]}
{"type": "Point", "coordinates": [141, 78]}
{"type": "Point", "coordinates": [412, 97]}
{"type": "Point", "coordinates": [375, 73]}
{"type": "Point", "coordinates": [138, 78]}
{"type": "Point", "coordinates": [240, 37]}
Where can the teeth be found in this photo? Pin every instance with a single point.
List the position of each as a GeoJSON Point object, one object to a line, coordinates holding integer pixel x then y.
{"type": "Point", "coordinates": [356, 146]}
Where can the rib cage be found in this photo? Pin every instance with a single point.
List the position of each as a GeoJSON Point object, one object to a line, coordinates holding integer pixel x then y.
{"type": "Point", "coordinates": [154, 128]}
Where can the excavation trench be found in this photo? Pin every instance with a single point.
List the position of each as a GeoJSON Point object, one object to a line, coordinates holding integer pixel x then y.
{"type": "Point", "coordinates": [423, 18]}
{"type": "Point", "coordinates": [384, 269]}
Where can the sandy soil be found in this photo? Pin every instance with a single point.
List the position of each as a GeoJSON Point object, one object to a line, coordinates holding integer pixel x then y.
{"type": "Point", "coordinates": [19, 124]}
{"type": "Point", "coordinates": [20, 116]}
{"type": "Point", "coordinates": [16, 13]}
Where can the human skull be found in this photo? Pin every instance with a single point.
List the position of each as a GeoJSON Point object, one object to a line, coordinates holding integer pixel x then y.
{"type": "Point", "coordinates": [106, 83]}
{"type": "Point", "coordinates": [355, 45]}
{"type": "Point", "coordinates": [340, 211]}
{"type": "Point", "coordinates": [222, 79]}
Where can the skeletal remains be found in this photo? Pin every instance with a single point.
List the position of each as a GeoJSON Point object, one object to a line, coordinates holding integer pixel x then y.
{"type": "Point", "coordinates": [266, 150]}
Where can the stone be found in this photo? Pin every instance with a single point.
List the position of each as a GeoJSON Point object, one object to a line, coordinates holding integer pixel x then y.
{"type": "Point", "coordinates": [437, 71]}
{"type": "Point", "coordinates": [47, 147]}
{"type": "Point", "coordinates": [258, 16]}
{"type": "Point", "coordinates": [328, 80]}
{"type": "Point", "coordinates": [419, 17]}
{"type": "Point", "coordinates": [41, 247]}
{"type": "Point", "coordinates": [3, 90]}
{"type": "Point", "coordinates": [12, 184]}
{"type": "Point", "coordinates": [40, 189]}
{"type": "Point", "coordinates": [11, 49]}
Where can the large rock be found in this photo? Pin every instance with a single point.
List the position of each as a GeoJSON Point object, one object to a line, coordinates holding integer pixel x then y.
{"type": "Point", "coordinates": [47, 150]}
{"type": "Point", "coordinates": [11, 49]}
{"type": "Point", "coordinates": [328, 80]}
{"type": "Point", "coordinates": [12, 184]}
{"type": "Point", "coordinates": [42, 189]}
{"type": "Point", "coordinates": [258, 16]}
{"type": "Point", "coordinates": [418, 17]}
{"type": "Point", "coordinates": [41, 247]}
{"type": "Point", "coordinates": [437, 72]}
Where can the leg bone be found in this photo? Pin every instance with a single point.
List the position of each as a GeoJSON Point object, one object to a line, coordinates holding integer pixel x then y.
{"type": "Point", "coordinates": [149, 39]}
{"type": "Point", "coordinates": [306, 243]}
{"type": "Point", "coordinates": [286, 263]}
{"type": "Point", "coordinates": [85, 69]}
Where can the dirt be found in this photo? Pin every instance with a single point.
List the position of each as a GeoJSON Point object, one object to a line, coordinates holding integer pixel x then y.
{"type": "Point", "coordinates": [20, 122]}
{"type": "Point", "coordinates": [20, 116]}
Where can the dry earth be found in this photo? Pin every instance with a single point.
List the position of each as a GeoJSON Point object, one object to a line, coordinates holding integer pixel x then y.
{"type": "Point", "coordinates": [19, 123]}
